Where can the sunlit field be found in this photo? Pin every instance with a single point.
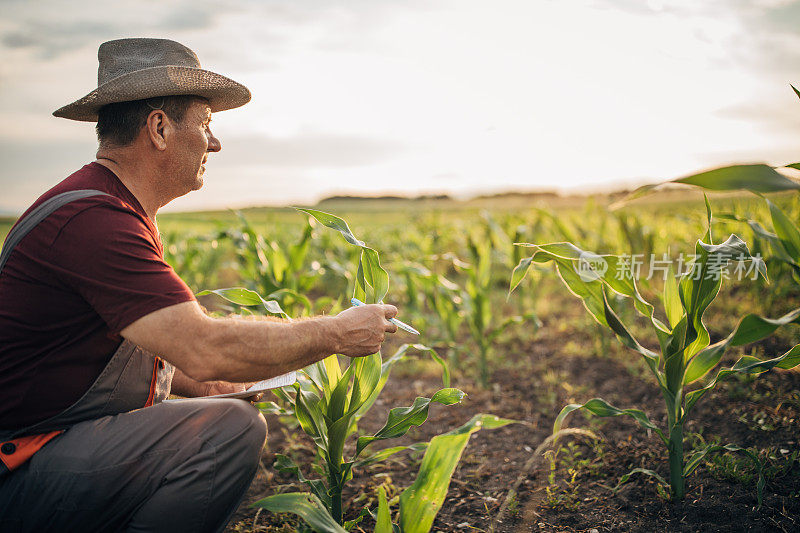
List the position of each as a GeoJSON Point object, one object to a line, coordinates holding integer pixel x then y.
{"type": "Point", "coordinates": [500, 365]}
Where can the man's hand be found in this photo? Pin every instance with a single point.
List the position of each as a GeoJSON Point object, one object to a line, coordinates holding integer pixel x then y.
{"type": "Point", "coordinates": [362, 329]}
{"type": "Point", "coordinates": [183, 385]}
{"type": "Point", "coordinates": [212, 388]}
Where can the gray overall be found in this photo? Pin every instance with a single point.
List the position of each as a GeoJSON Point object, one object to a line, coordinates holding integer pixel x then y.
{"type": "Point", "coordinates": [107, 463]}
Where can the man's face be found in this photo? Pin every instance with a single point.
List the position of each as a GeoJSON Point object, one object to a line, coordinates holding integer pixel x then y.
{"type": "Point", "coordinates": [194, 141]}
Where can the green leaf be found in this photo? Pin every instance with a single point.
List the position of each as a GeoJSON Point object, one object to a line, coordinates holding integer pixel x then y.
{"type": "Point", "coordinates": [672, 299]}
{"type": "Point", "coordinates": [751, 328]}
{"type": "Point", "coordinates": [745, 365]}
{"type": "Point", "coordinates": [305, 505]}
{"type": "Point", "coordinates": [519, 273]}
{"type": "Point", "coordinates": [420, 503]}
{"type": "Point", "coordinates": [386, 369]}
{"type": "Point", "coordinates": [285, 464]}
{"type": "Point", "coordinates": [334, 222]}
{"type": "Point", "coordinates": [383, 522]}
{"type": "Point", "coordinates": [367, 370]}
{"type": "Point", "coordinates": [795, 91]}
{"type": "Point", "coordinates": [307, 412]}
{"type": "Point", "coordinates": [337, 406]}
{"type": "Point", "coordinates": [242, 296]}
{"type": "Point", "coordinates": [644, 190]}
{"type": "Point", "coordinates": [795, 166]}
{"type": "Point", "coordinates": [786, 230]}
{"type": "Point", "coordinates": [382, 455]}
{"type": "Point", "coordinates": [755, 178]}
{"type": "Point", "coordinates": [401, 419]}
{"type": "Point", "coordinates": [333, 373]}
{"type": "Point", "coordinates": [644, 471]}
{"type": "Point", "coordinates": [600, 407]}
{"type": "Point", "coordinates": [374, 275]}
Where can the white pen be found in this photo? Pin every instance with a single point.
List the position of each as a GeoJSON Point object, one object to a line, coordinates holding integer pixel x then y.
{"type": "Point", "coordinates": [402, 325]}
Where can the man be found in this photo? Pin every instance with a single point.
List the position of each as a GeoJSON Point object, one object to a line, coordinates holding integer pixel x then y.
{"type": "Point", "coordinates": [86, 299]}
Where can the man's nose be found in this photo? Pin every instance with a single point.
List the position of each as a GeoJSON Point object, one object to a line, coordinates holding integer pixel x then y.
{"type": "Point", "coordinates": [213, 143]}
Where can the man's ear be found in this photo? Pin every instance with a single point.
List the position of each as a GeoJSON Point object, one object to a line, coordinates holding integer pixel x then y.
{"type": "Point", "coordinates": [158, 127]}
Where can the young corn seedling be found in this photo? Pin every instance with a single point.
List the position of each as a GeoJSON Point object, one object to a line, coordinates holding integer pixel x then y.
{"type": "Point", "coordinates": [274, 270]}
{"type": "Point", "coordinates": [685, 353]}
{"type": "Point", "coordinates": [328, 401]}
{"type": "Point", "coordinates": [481, 320]}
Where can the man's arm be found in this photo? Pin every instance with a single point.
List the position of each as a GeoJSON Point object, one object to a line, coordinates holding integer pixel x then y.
{"type": "Point", "coordinates": [208, 349]}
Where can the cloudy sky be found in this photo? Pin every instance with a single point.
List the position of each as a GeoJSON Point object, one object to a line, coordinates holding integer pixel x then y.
{"type": "Point", "coordinates": [412, 97]}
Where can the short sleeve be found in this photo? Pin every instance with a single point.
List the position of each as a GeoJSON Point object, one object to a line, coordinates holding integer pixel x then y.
{"type": "Point", "coordinates": [108, 255]}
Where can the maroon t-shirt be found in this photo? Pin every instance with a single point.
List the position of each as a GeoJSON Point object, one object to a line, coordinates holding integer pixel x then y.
{"type": "Point", "coordinates": [70, 286]}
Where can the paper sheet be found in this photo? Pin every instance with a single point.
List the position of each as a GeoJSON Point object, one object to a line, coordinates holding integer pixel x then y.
{"type": "Point", "coordinates": [261, 386]}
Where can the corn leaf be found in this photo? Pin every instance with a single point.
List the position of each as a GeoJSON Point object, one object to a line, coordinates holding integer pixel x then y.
{"type": "Point", "coordinates": [305, 505]}
{"type": "Point", "coordinates": [758, 178]}
{"type": "Point", "coordinates": [600, 407]}
{"type": "Point", "coordinates": [333, 373]}
{"type": "Point", "coordinates": [786, 230]}
{"type": "Point", "coordinates": [420, 502]}
{"type": "Point", "coordinates": [309, 416]}
{"type": "Point", "coordinates": [383, 521]}
{"type": "Point", "coordinates": [745, 365]}
{"type": "Point", "coordinates": [755, 178]}
{"type": "Point", "coordinates": [644, 471]}
{"type": "Point", "coordinates": [382, 455]}
{"type": "Point", "coordinates": [401, 419]}
{"type": "Point", "coordinates": [519, 273]}
{"type": "Point", "coordinates": [286, 465]}
{"type": "Point", "coordinates": [374, 275]}
{"type": "Point", "coordinates": [751, 328]}
{"type": "Point", "coordinates": [386, 369]}
{"type": "Point", "coordinates": [672, 299]}
{"type": "Point", "coordinates": [334, 222]}
{"type": "Point", "coordinates": [367, 370]}
{"type": "Point", "coordinates": [242, 296]}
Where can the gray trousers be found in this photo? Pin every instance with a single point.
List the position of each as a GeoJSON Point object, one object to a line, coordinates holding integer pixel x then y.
{"type": "Point", "coordinates": [173, 467]}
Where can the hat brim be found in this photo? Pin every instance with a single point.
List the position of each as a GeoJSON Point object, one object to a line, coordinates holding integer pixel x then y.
{"type": "Point", "coordinates": [222, 93]}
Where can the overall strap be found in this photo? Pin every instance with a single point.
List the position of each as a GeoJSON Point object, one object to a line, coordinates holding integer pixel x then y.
{"type": "Point", "coordinates": [41, 212]}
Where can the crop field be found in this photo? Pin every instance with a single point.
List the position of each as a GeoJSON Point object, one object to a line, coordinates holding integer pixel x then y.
{"type": "Point", "coordinates": [580, 367]}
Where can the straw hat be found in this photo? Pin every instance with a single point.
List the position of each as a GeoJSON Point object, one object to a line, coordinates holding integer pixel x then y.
{"type": "Point", "coordinates": [135, 69]}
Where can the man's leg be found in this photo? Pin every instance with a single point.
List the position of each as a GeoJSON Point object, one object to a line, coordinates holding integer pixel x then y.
{"type": "Point", "coordinates": [177, 466]}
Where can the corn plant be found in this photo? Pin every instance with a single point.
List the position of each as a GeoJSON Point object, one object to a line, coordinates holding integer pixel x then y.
{"type": "Point", "coordinates": [328, 401]}
{"type": "Point", "coordinates": [481, 319]}
{"type": "Point", "coordinates": [273, 270]}
{"type": "Point", "coordinates": [195, 258]}
{"type": "Point", "coordinates": [428, 291]}
{"type": "Point", "coordinates": [685, 354]}
{"type": "Point", "coordinates": [758, 179]}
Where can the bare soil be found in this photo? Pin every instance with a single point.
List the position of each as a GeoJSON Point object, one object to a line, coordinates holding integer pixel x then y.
{"type": "Point", "coordinates": [533, 379]}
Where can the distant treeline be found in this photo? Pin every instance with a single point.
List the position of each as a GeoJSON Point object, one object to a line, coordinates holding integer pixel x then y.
{"type": "Point", "coordinates": [345, 198]}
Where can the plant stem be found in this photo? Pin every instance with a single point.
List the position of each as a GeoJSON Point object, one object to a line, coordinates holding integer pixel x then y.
{"type": "Point", "coordinates": [335, 488]}
{"type": "Point", "coordinates": [676, 479]}
{"type": "Point", "coordinates": [484, 365]}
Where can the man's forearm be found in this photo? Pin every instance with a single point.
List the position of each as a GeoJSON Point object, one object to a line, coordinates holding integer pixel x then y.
{"type": "Point", "coordinates": [247, 350]}
{"type": "Point", "coordinates": [239, 350]}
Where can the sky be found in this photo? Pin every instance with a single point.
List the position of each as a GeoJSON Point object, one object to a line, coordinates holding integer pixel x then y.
{"type": "Point", "coordinates": [461, 97]}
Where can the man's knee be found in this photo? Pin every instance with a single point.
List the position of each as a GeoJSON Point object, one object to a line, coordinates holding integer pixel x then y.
{"type": "Point", "coordinates": [240, 422]}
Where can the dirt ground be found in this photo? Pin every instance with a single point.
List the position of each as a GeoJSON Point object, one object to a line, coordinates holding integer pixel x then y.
{"type": "Point", "coordinates": [572, 490]}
